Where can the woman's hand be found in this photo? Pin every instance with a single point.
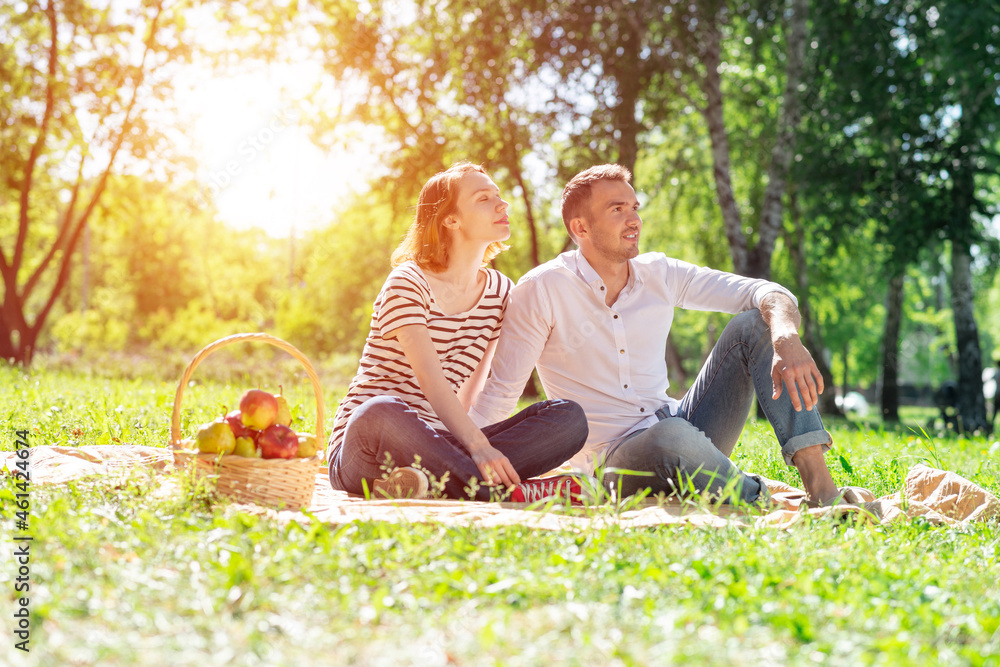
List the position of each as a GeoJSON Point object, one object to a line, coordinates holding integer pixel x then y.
{"type": "Point", "coordinates": [494, 467]}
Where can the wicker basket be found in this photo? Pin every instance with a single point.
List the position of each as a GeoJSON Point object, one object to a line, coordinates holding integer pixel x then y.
{"type": "Point", "coordinates": [285, 483]}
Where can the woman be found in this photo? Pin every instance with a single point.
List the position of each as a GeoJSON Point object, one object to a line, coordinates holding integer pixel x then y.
{"type": "Point", "coordinates": [433, 333]}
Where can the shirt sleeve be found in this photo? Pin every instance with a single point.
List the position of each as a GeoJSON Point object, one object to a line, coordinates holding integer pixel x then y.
{"type": "Point", "coordinates": [526, 326]}
{"type": "Point", "coordinates": [700, 288]}
{"type": "Point", "coordinates": [766, 288]}
{"type": "Point", "coordinates": [401, 302]}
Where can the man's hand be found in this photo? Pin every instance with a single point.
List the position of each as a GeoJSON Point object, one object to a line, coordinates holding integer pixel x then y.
{"type": "Point", "coordinates": [794, 366]}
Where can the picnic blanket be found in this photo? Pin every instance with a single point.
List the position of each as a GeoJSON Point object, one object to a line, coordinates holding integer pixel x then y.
{"type": "Point", "coordinates": [937, 496]}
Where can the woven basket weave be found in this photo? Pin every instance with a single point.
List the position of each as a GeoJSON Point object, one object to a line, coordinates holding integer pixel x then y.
{"type": "Point", "coordinates": [284, 483]}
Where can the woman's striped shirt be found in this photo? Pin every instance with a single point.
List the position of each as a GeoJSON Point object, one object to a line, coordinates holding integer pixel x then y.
{"type": "Point", "coordinates": [460, 340]}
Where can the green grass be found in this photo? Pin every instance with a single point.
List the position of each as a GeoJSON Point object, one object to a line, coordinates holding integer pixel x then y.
{"type": "Point", "coordinates": [122, 575]}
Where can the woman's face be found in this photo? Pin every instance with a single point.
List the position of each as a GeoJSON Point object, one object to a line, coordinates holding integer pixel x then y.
{"type": "Point", "coordinates": [480, 212]}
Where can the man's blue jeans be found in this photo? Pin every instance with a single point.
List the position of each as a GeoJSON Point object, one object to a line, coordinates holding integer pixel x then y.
{"type": "Point", "coordinates": [692, 448]}
{"type": "Point", "coordinates": [539, 438]}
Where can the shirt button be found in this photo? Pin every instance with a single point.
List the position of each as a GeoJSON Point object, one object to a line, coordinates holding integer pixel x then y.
{"type": "Point", "coordinates": [602, 288]}
{"type": "Point", "coordinates": [626, 386]}
{"type": "Point", "coordinates": [621, 351]}
{"type": "Point", "coordinates": [642, 409]}
{"type": "Point", "coordinates": [616, 317]}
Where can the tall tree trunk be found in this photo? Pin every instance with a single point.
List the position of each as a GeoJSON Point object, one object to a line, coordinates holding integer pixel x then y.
{"type": "Point", "coordinates": [675, 365]}
{"type": "Point", "coordinates": [811, 335]}
{"type": "Point", "coordinates": [8, 334]}
{"type": "Point", "coordinates": [755, 263]}
{"type": "Point", "coordinates": [890, 348]}
{"type": "Point", "coordinates": [970, 403]}
{"type": "Point", "coordinates": [771, 217]}
{"type": "Point", "coordinates": [845, 378]}
{"type": "Point", "coordinates": [529, 214]}
{"type": "Point", "coordinates": [18, 337]}
{"type": "Point", "coordinates": [715, 119]}
{"type": "Point", "coordinates": [628, 90]}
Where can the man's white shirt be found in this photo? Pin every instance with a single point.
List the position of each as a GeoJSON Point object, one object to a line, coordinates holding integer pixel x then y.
{"type": "Point", "coordinates": [609, 359]}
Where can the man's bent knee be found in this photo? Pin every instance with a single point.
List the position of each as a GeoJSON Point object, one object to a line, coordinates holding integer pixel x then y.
{"type": "Point", "coordinates": [750, 320]}
{"type": "Point", "coordinates": [676, 438]}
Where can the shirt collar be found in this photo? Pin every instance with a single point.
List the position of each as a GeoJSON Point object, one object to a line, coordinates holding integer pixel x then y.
{"type": "Point", "coordinates": [586, 271]}
{"type": "Point", "coordinates": [591, 277]}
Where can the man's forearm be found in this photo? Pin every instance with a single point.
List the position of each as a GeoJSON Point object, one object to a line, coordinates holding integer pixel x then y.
{"type": "Point", "coordinates": [781, 315]}
{"type": "Point", "coordinates": [792, 365]}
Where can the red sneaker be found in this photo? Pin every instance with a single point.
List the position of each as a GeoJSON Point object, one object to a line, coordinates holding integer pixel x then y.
{"type": "Point", "coordinates": [558, 487]}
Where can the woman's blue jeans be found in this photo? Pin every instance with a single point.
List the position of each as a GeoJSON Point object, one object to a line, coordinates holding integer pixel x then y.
{"type": "Point", "coordinates": [689, 451]}
{"type": "Point", "coordinates": [541, 437]}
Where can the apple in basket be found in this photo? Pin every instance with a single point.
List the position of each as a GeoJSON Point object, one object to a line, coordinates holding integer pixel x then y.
{"type": "Point", "coordinates": [258, 409]}
{"type": "Point", "coordinates": [278, 442]}
{"type": "Point", "coordinates": [240, 430]}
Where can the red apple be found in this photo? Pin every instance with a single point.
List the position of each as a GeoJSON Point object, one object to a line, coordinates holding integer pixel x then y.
{"type": "Point", "coordinates": [278, 442]}
{"type": "Point", "coordinates": [258, 409]}
{"type": "Point", "coordinates": [240, 430]}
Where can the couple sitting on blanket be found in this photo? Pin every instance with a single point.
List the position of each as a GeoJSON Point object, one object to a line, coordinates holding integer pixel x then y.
{"type": "Point", "coordinates": [452, 344]}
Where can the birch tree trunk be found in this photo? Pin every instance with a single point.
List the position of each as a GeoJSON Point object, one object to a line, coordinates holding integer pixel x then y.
{"type": "Point", "coordinates": [714, 118]}
{"type": "Point", "coordinates": [771, 218]}
{"type": "Point", "coordinates": [812, 338]}
{"type": "Point", "coordinates": [970, 404]}
{"type": "Point", "coordinates": [890, 349]}
{"type": "Point", "coordinates": [755, 263]}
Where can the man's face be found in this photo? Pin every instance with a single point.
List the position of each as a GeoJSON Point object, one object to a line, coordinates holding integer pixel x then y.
{"type": "Point", "coordinates": [612, 226]}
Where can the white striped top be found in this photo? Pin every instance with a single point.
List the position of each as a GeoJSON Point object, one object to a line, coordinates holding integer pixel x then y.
{"type": "Point", "coordinates": [460, 340]}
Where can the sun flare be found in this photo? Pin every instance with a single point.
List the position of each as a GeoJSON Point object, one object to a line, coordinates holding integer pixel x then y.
{"type": "Point", "coordinates": [256, 160]}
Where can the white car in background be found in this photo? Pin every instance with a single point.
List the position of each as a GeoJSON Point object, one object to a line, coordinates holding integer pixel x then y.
{"type": "Point", "coordinates": [853, 403]}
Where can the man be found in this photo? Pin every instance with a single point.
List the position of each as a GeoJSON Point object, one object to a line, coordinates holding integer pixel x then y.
{"type": "Point", "coordinates": [595, 322]}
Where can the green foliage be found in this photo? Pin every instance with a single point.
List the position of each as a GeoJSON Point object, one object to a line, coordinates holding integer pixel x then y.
{"type": "Point", "coordinates": [80, 80]}
{"type": "Point", "coordinates": [536, 91]}
{"type": "Point", "coordinates": [164, 276]}
{"type": "Point", "coordinates": [93, 330]}
{"type": "Point", "coordinates": [340, 272]}
{"type": "Point", "coordinates": [900, 141]}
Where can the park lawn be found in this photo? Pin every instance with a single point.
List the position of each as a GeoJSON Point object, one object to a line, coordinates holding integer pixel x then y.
{"type": "Point", "coordinates": [125, 576]}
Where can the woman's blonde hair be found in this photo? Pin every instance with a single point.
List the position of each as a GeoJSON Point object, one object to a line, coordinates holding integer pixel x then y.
{"type": "Point", "coordinates": [427, 240]}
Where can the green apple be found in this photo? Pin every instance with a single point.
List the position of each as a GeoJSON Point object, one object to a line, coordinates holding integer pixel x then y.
{"type": "Point", "coordinates": [307, 445]}
{"type": "Point", "coordinates": [216, 438]}
{"type": "Point", "coordinates": [246, 447]}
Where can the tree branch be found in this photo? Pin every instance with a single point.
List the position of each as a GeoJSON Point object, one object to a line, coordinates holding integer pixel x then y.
{"type": "Point", "coordinates": [781, 153]}
{"type": "Point", "coordinates": [39, 145]}
{"type": "Point", "coordinates": [102, 183]}
{"type": "Point", "coordinates": [60, 241]}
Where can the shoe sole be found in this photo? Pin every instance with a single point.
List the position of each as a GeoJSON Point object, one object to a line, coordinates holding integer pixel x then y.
{"type": "Point", "coordinates": [401, 483]}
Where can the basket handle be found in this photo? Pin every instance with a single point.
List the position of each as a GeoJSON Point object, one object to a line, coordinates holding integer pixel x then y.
{"type": "Point", "coordinates": [175, 418]}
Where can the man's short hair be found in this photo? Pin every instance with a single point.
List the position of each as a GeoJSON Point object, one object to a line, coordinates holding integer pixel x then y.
{"type": "Point", "coordinates": [576, 194]}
